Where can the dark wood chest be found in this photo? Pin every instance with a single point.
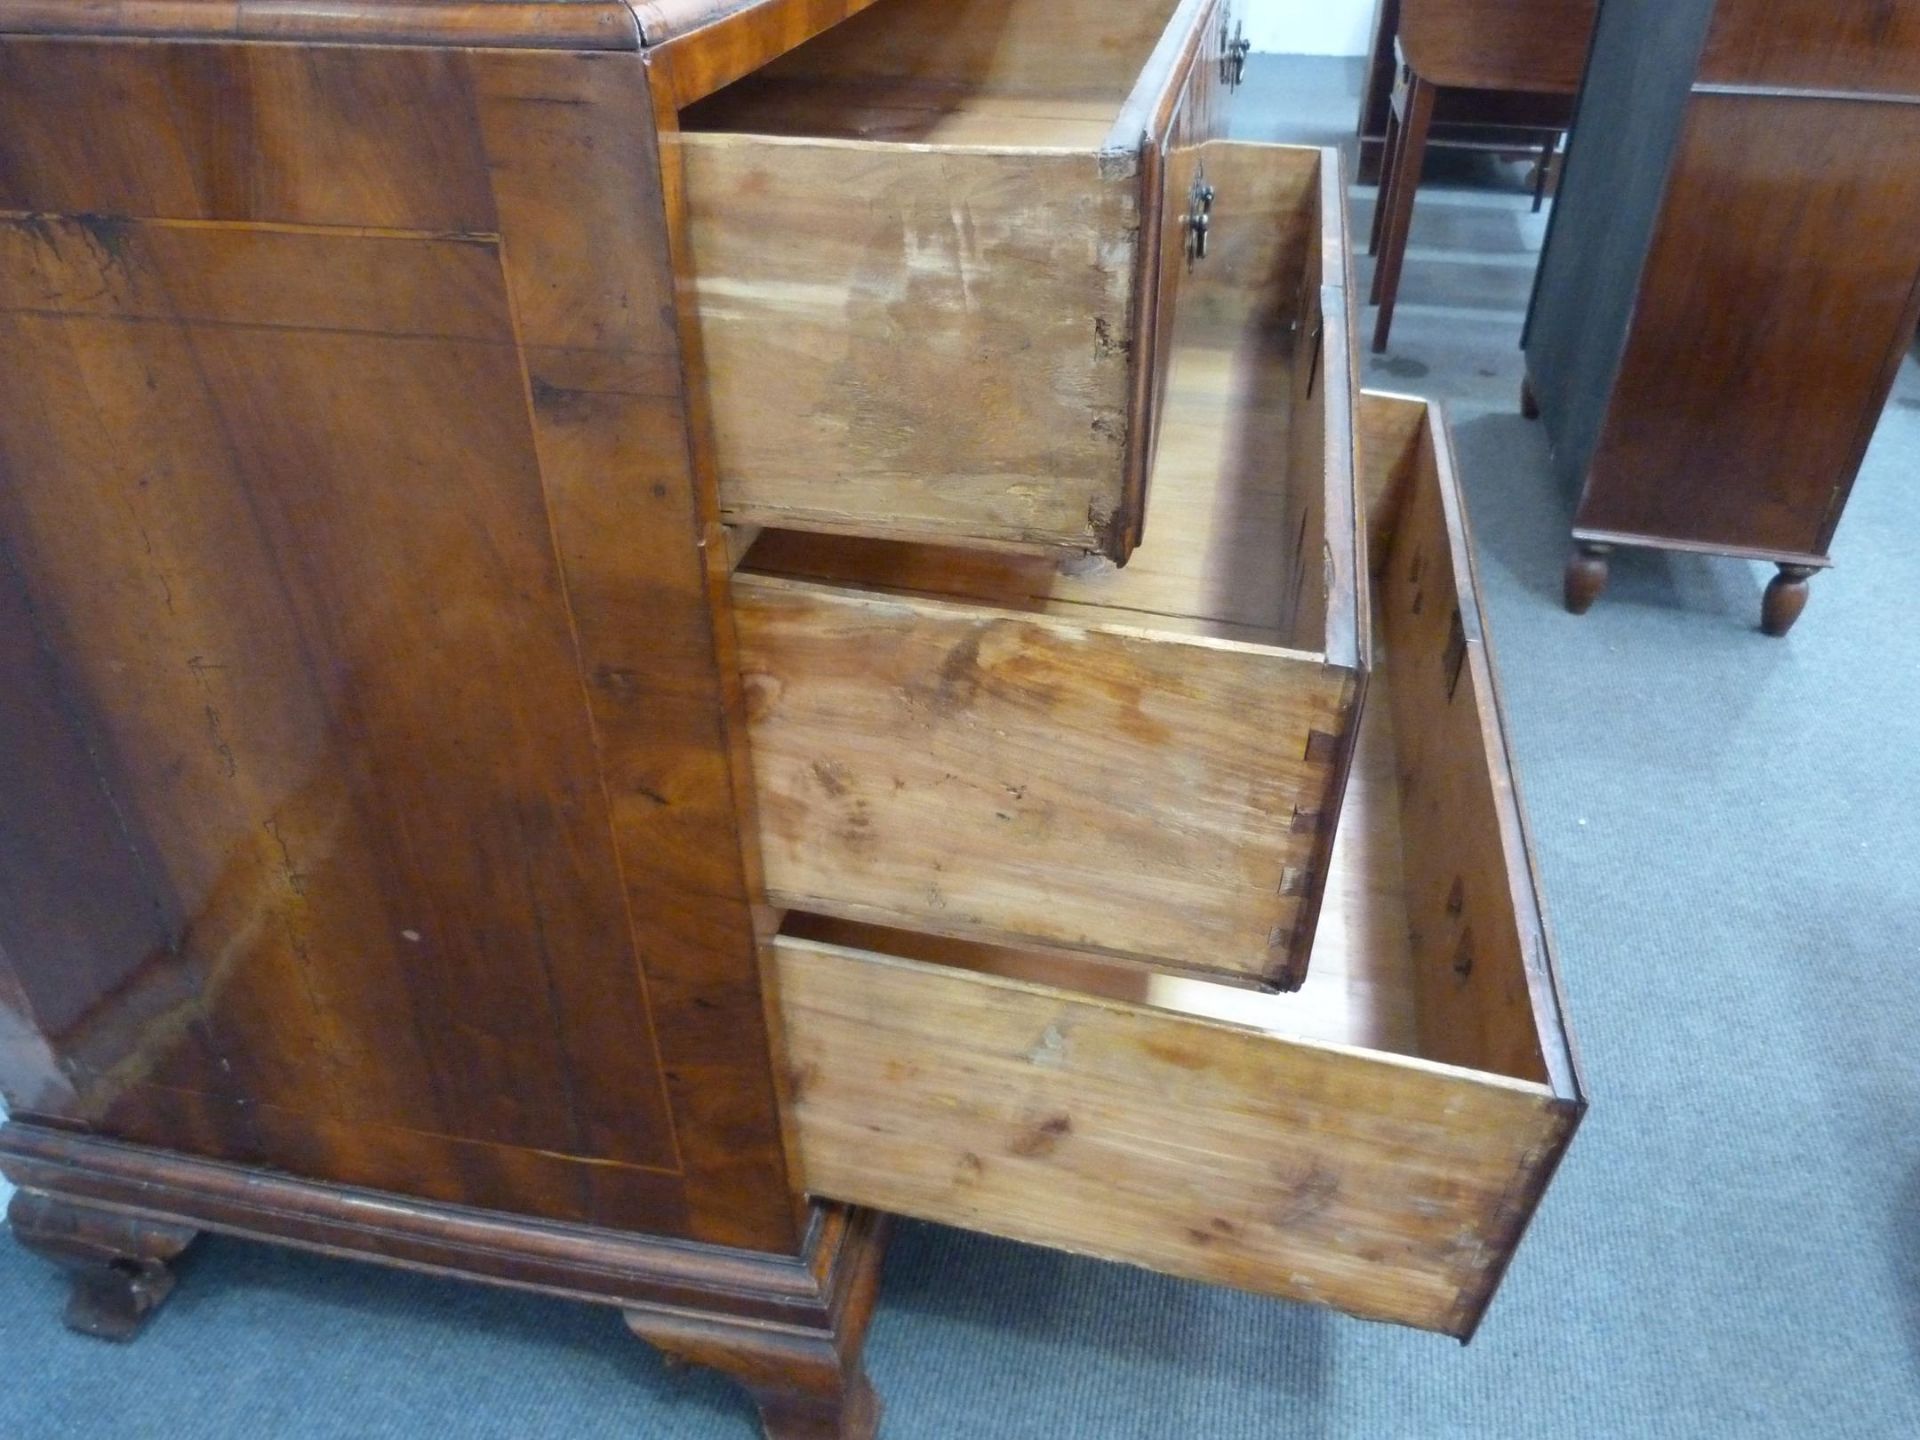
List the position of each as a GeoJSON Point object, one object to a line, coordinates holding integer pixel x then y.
{"type": "Point", "coordinates": [1730, 279]}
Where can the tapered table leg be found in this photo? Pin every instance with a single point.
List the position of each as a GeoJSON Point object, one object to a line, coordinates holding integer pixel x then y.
{"type": "Point", "coordinates": [1409, 157]}
{"type": "Point", "coordinates": [1384, 188]}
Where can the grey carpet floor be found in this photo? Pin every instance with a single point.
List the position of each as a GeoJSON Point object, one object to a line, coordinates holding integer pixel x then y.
{"type": "Point", "coordinates": [1728, 830]}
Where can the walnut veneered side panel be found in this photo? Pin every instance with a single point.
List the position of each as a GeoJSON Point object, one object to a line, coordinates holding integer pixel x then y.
{"type": "Point", "coordinates": [350, 823]}
{"type": "Point", "coordinates": [340, 689]}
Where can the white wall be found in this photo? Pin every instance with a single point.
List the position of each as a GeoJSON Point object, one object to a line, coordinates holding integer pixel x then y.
{"type": "Point", "coordinates": [1310, 27]}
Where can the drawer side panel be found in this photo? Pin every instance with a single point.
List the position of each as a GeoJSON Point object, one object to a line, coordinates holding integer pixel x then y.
{"type": "Point", "coordinates": [1391, 1190]}
{"type": "Point", "coordinates": [913, 343]}
{"type": "Point", "coordinates": [960, 769]}
{"type": "Point", "coordinates": [1487, 995]}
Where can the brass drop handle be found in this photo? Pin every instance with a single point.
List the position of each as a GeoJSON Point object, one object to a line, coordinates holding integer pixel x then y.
{"type": "Point", "coordinates": [1198, 220]}
{"type": "Point", "coordinates": [1233, 55]}
{"type": "Point", "coordinates": [1197, 227]}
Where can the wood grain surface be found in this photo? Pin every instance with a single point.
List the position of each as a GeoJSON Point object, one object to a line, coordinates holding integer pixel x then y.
{"type": "Point", "coordinates": [1228, 551]}
{"type": "Point", "coordinates": [1090, 785]}
{"type": "Point", "coordinates": [352, 827]}
{"type": "Point", "coordinates": [1481, 961]}
{"type": "Point", "coordinates": [1078, 48]}
{"type": "Point", "coordinates": [1777, 296]}
{"type": "Point", "coordinates": [940, 205]}
{"type": "Point", "coordinates": [572, 1261]}
{"type": "Point", "coordinates": [1536, 46]}
{"type": "Point", "coordinates": [1181, 196]}
{"type": "Point", "coordinates": [1205, 1150]}
{"type": "Point", "coordinates": [509, 24]}
{"type": "Point", "coordinates": [1861, 48]}
{"type": "Point", "coordinates": [699, 46]}
{"type": "Point", "coordinates": [936, 348]}
{"type": "Point", "coordinates": [903, 111]}
{"type": "Point", "coordinates": [1142, 761]}
{"type": "Point", "coordinates": [1360, 991]}
{"type": "Point", "coordinates": [1376, 1142]}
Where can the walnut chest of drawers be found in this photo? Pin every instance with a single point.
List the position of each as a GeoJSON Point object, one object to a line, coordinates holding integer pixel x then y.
{"type": "Point", "coordinates": [636, 635]}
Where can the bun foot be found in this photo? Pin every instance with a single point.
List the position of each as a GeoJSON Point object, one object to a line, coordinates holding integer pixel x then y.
{"type": "Point", "coordinates": [119, 1263]}
{"type": "Point", "coordinates": [1786, 597]}
{"type": "Point", "coordinates": [1529, 402]}
{"type": "Point", "coordinates": [1586, 576]}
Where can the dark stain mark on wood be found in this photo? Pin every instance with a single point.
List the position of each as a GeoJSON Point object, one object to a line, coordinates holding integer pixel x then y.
{"type": "Point", "coordinates": [1171, 1052]}
{"type": "Point", "coordinates": [108, 234]}
{"type": "Point", "coordinates": [857, 830]}
{"type": "Point", "coordinates": [800, 1079]}
{"type": "Point", "coordinates": [228, 763]}
{"type": "Point", "coordinates": [1043, 1137]}
{"type": "Point", "coordinates": [834, 777]}
{"type": "Point", "coordinates": [552, 398]}
{"type": "Point", "coordinates": [1456, 654]}
{"type": "Point", "coordinates": [615, 681]}
{"type": "Point", "coordinates": [1215, 1231]}
{"type": "Point", "coordinates": [1463, 955]}
{"type": "Point", "coordinates": [959, 675]}
{"type": "Point", "coordinates": [1305, 1195]}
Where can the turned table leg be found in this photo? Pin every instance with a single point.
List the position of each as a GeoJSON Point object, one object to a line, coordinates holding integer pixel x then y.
{"type": "Point", "coordinates": [809, 1385]}
{"type": "Point", "coordinates": [1586, 575]}
{"type": "Point", "coordinates": [1786, 597]}
{"type": "Point", "coordinates": [119, 1263]}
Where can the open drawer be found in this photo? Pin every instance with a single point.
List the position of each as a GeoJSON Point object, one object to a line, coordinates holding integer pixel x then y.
{"type": "Point", "coordinates": [935, 250]}
{"type": "Point", "coordinates": [1376, 1142]}
{"type": "Point", "coordinates": [1143, 762]}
